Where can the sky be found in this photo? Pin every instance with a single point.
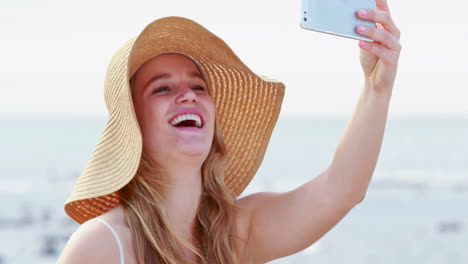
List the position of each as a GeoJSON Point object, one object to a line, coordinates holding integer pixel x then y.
{"type": "Point", "coordinates": [54, 54]}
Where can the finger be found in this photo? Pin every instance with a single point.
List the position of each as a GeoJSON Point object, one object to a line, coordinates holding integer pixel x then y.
{"type": "Point", "coordinates": [382, 5]}
{"type": "Point", "coordinates": [377, 16]}
{"type": "Point", "coordinates": [379, 35]}
{"type": "Point", "coordinates": [386, 55]}
{"type": "Point", "coordinates": [381, 17]}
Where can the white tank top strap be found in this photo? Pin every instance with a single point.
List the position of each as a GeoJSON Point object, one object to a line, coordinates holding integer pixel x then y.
{"type": "Point", "coordinates": [115, 235]}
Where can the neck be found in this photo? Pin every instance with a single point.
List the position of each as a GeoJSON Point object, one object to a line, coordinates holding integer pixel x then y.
{"type": "Point", "coordinates": [183, 197]}
{"type": "Point", "coordinates": [183, 193]}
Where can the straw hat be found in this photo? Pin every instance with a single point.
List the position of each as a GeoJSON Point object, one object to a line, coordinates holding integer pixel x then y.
{"type": "Point", "coordinates": [247, 107]}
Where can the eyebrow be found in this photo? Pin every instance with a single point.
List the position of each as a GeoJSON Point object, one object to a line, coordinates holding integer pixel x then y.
{"type": "Point", "coordinates": [166, 76]}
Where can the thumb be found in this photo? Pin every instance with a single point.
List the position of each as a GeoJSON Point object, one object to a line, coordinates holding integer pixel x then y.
{"type": "Point", "coordinates": [368, 61]}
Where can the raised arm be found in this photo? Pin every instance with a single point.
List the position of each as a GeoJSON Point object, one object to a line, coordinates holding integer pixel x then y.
{"type": "Point", "coordinates": [285, 223]}
{"type": "Point", "coordinates": [357, 153]}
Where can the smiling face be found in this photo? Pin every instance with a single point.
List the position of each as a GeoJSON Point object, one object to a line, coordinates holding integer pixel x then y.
{"type": "Point", "coordinates": [174, 110]}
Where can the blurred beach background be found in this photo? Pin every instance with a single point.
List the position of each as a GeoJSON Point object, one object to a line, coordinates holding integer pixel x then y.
{"type": "Point", "coordinates": [54, 56]}
{"type": "Point", "coordinates": [414, 211]}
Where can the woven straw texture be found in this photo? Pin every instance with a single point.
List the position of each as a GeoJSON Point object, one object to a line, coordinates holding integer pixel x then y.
{"type": "Point", "coordinates": [247, 107]}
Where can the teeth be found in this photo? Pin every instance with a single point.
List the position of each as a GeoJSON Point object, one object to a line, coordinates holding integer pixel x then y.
{"type": "Point", "coordinates": [181, 118]}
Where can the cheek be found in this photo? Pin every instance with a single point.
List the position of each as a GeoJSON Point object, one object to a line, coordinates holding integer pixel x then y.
{"type": "Point", "coordinates": [211, 106]}
{"type": "Point", "coordinates": [213, 116]}
{"type": "Point", "coordinates": [155, 116]}
{"type": "Point", "coordinates": [212, 111]}
{"type": "Point", "coordinates": [150, 117]}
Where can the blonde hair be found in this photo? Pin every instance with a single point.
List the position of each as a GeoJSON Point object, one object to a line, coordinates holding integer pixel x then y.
{"type": "Point", "coordinates": [155, 238]}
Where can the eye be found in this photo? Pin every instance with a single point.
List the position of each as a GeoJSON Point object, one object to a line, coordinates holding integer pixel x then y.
{"type": "Point", "coordinates": [161, 89]}
{"type": "Point", "coordinates": [199, 87]}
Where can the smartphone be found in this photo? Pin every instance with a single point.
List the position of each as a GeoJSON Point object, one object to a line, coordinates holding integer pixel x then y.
{"type": "Point", "coordinates": [336, 17]}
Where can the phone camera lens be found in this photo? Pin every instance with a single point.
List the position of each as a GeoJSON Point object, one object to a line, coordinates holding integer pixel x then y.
{"type": "Point", "coordinates": [305, 19]}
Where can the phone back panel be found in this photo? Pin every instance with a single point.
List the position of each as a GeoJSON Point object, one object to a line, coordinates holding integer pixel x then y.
{"type": "Point", "coordinates": [336, 17]}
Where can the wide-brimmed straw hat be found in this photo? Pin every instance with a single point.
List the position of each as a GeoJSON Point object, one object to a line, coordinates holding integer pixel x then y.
{"type": "Point", "coordinates": [247, 107]}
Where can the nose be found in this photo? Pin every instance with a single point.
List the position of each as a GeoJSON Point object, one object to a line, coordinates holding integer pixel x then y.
{"type": "Point", "coordinates": [187, 95]}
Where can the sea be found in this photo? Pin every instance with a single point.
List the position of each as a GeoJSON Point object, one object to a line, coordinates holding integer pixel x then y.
{"type": "Point", "coordinates": [415, 209]}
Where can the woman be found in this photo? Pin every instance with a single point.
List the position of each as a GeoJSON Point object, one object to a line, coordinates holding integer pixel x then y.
{"type": "Point", "coordinates": [189, 125]}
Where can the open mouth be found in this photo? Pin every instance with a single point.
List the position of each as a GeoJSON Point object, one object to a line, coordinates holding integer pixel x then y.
{"type": "Point", "coordinates": [187, 120]}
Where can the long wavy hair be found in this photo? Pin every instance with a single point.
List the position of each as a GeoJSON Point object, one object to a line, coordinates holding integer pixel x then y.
{"type": "Point", "coordinates": [155, 239]}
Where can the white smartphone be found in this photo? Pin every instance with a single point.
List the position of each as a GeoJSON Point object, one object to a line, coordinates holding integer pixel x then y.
{"type": "Point", "coordinates": [337, 17]}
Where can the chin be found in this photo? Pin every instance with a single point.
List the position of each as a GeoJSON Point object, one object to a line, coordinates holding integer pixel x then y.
{"type": "Point", "coordinates": [195, 151]}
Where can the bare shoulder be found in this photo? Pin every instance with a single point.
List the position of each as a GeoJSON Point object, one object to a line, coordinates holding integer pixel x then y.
{"type": "Point", "coordinates": [284, 223]}
{"type": "Point", "coordinates": [244, 223]}
{"type": "Point", "coordinates": [244, 217]}
{"type": "Point", "coordinates": [247, 205]}
{"type": "Point", "coordinates": [255, 199]}
{"type": "Point", "coordinates": [90, 243]}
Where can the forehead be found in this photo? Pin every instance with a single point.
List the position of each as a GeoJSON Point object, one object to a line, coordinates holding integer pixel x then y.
{"type": "Point", "coordinates": [169, 62]}
{"type": "Point", "coordinates": [163, 66]}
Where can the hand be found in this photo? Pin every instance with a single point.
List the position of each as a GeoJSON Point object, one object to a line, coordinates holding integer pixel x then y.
{"type": "Point", "coordinates": [379, 59]}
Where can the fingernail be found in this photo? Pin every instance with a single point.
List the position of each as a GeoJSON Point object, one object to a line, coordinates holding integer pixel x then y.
{"type": "Point", "coordinates": [362, 12]}
{"type": "Point", "coordinates": [364, 44]}
{"type": "Point", "coordinates": [361, 28]}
